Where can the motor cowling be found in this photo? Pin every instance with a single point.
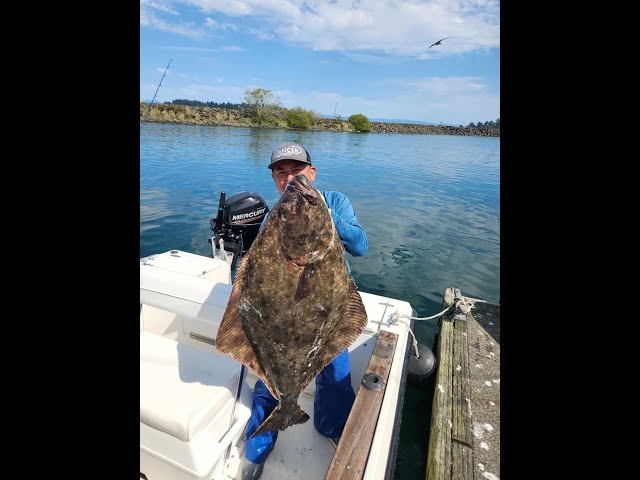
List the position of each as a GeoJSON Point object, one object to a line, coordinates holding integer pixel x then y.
{"type": "Point", "coordinates": [238, 222]}
{"type": "Point", "coordinates": [243, 214]}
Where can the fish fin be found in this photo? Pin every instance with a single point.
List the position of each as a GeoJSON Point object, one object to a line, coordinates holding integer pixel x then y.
{"type": "Point", "coordinates": [307, 283]}
{"type": "Point", "coordinates": [279, 421]}
{"type": "Point", "coordinates": [353, 321]}
{"type": "Point", "coordinates": [231, 338]}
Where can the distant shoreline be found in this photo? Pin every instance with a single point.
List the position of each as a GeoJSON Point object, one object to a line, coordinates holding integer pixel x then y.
{"type": "Point", "coordinates": [188, 115]}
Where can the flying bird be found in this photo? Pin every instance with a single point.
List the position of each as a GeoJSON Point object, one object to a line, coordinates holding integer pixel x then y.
{"type": "Point", "coordinates": [438, 42]}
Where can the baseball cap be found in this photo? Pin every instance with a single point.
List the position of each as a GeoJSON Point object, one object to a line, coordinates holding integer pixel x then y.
{"type": "Point", "coordinates": [289, 151]}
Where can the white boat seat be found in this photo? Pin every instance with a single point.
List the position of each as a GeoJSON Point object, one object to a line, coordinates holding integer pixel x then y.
{"type": "Point", "coordinates": [182, 388]}
{"type": "Point", "coordinates": [185, 295]}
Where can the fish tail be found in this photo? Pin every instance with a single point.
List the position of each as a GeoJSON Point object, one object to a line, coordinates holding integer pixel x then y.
{"type": "Point", "coordinates": [282, 417]}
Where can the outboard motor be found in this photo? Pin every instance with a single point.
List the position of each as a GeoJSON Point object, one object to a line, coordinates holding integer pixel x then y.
{"type": "Point", "coordinates": [237, 224]}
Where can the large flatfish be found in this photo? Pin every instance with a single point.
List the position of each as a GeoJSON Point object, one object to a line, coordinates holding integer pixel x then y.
{"type": "Point", "coordinates": [293, 307]}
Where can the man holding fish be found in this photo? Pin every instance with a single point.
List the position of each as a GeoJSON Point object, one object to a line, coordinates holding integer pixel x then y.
{"type": "Point", "coordinates": [294, 308]}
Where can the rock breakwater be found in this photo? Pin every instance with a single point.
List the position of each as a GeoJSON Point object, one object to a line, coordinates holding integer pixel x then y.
{"type": "Point", "coordinates": [170, 113]}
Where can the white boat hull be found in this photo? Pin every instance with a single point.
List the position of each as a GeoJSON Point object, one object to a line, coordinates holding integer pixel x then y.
{"type": "Point", "coordinates": [183, 298]}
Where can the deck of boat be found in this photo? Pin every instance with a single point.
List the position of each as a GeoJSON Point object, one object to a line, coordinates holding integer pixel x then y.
{"type": "Point", "coordinates": [291, 458]}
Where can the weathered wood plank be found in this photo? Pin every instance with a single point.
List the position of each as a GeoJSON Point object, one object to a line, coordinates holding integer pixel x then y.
{"type": "Point", "coordinates": [439, 452]}
{"type": "Point", "coordinates": [462, 461]}
{"type": "Point", "coordinates": [461, 391]}
{"type": "Point", "coordinates": [350, 458]}
{"type": "Point", "coordinates": [461, 435]}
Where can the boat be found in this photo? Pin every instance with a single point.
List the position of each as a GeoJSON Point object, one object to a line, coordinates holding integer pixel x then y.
{"type": "Point", "coordinates": [195, 402]}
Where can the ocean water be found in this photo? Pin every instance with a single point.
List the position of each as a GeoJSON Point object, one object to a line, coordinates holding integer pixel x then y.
{"type": "Point", "coordinates": [430, 205]}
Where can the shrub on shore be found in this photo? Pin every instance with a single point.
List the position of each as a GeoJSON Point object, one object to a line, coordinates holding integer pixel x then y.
{"type": "Point", "coordinates": [299, 117]}
{"type": "Point", "coordinates": [360, 122]}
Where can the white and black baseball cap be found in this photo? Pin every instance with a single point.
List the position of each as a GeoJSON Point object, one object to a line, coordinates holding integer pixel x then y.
{"type": "Point", "coordinates": [289, 151]}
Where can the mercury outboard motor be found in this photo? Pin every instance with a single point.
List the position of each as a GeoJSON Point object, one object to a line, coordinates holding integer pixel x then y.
{"type": "Point", "coordinates": [237, 224]}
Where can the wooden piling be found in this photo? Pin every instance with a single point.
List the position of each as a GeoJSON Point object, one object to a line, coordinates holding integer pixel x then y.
{"type": "Point", "coordinates": [450, 453]}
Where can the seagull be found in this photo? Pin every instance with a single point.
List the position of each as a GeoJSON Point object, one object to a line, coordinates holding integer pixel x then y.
{"type": "Point", "coordinates": [438, 42]}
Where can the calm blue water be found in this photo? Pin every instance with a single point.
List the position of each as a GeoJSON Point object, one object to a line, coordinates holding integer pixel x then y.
{"type": "Point", "coordinates": [430, 205]}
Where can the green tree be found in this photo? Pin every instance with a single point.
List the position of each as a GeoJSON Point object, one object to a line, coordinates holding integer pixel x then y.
{"type": "Point", "coordinates": [360, 122]}
{"type": "Point", "coordinates": [262, 104]}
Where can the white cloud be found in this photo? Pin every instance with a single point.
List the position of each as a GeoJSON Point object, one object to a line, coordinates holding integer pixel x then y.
{"type": "Point", "coordinates": [212, 24]}
{"type": "Point", "coordinates": [150, 20]}
{"type": "Point", "coordinates": [231, 48]}
{"type": "Point", "coordinates": [160, 6]}
{"type": "Point", "coordinates": [261, 34]}
{"type": "Point", "coordinates": [441, 86]}
{"type": "Point", "coordinates": [228, 7]}
{"type": "Point", "coordinates": [404, 28]}
{"type": "Point", "coordinates": [226, 48]}
{"type": "Point", "coordinates": [247, 7]}
{"type": "Point", "coordinates": [450, 100]}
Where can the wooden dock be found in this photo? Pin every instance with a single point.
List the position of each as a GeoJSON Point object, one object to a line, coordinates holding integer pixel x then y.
{"type": "Point", "coordinates": [464, 440]}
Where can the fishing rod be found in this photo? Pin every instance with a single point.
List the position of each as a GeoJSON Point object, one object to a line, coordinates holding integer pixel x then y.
{"type": "Point", "coordinates": [154, 95]}
{"type": "Point", "coordinates": [227, 452]}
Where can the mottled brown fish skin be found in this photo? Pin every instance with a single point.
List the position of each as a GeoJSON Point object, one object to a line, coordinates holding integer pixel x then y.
{"type": "Point", "coordinates": [294, 301]}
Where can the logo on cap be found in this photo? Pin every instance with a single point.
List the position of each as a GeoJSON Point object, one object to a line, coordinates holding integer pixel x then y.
{"type": "Point", "coordinates": [287, 151]}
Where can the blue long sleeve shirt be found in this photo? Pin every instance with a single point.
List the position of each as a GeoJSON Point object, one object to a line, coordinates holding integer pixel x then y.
{"type": "Point", "coordinates": [353, 236]}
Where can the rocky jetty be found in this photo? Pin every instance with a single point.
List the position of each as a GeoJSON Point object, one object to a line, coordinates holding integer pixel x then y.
{"type": "Point", "coordinates": [383, 127]}
{"type": "Point", "coordinates": [170, 113]}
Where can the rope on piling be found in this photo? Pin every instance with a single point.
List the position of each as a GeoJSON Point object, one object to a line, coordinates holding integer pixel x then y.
{"type": "Point", "coordinates": [459, 305]}
{"type": "Point", "coordinates": [427, 318]}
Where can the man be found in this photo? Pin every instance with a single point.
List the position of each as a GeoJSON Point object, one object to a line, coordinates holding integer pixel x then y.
{"type": "Point", "coordinates": [334, 394]}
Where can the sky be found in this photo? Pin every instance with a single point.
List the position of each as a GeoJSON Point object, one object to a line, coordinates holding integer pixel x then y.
{"type": "Point", "coordinates": [338, 57]}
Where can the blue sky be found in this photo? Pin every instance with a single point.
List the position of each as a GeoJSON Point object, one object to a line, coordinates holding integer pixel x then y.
{"type": "Point", "coordinates": [344, 57]}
